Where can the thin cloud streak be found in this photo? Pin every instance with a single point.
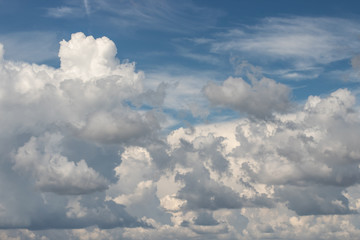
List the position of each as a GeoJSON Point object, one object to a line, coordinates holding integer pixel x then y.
{"type": "Point", "coordinates": [87, 7]}
{"type": "Point", "coordinates": [297, 43]}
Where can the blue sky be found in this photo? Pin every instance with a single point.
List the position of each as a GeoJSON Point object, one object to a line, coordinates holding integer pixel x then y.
{"type": "Point", "coordinates": [159, 119]}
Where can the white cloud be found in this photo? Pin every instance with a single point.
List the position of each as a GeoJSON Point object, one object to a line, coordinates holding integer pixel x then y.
{"type": "Point", "coordinates": [136, 167]}
{"type": "Point", "coordinates": [86, 57]}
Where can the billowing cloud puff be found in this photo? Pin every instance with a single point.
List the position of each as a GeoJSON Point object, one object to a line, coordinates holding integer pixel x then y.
{"type": "Point", "coordinates": [54, 172]}
{"type": "Point", "coordinates": [88, 58]}
{"type": "Point", "coordinates": [260, 99]}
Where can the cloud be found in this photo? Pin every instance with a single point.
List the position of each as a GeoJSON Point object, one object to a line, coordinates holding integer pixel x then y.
{"type": "Point", "coordinates": [1, 52]}
{"type": "Point", "coordinates": [260, 99]}
{"type": "Point", "coordinates": [87, 57]}
{"type": "Point", "coordinates": [299, 45]}
{"type": "Point", "coordinates": [114, 128]}
{"type": "Point", "coordinates": [205, 193]}
{"type": "Point", "coordinates": [87, 7]}
{"type": "Point", "coordinates": [306, 38]}
{"type": "Point", "coordinates": [206, 219]}
{"type": "Point", "coordinates": [54, 172]}
{"type": "Point", "coordinates": [306, 153]}
{"type": "Point", "coordinates": [160, 15]}
{"type": "Point", "coordinates": [59, 123]}
{"type": "Point", "coordinates": [315, 200]}
{"type": "Point", "coordinates": [60, 12]}
{"type": "Point", "coordinates": [355, 62]}
{"type": "Point", "coordinates": [70, 10]}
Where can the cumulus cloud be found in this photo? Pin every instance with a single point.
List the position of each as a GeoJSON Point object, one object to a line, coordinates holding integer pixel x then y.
{"type": "Point", "coordinates": [260, 99]}
{"type": "Point", "coordinates": [57, 117]}
{"type": "Point", "coordinates": [54, 172]}
{"type": "Point", "coordinates": [306, 153]}
{"type": "Point", "coordinates": [297, 165]}
{"type": "Point", "coordinates": [87, 57]}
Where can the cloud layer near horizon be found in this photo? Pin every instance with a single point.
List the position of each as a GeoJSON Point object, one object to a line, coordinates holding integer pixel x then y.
{"type": "Point", "coordinates": [79, 153]}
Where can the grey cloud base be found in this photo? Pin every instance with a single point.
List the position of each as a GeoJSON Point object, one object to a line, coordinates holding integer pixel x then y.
{"type": "Point", "coordinates": [81, 159]}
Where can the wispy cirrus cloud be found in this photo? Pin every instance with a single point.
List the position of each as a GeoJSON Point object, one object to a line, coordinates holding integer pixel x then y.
{"type": "Point", "coordinates": [300, 46]}
{"type": "Point", "coordinates": [162, 15]}
{"type": "Point", "coordinates": [61, 12]}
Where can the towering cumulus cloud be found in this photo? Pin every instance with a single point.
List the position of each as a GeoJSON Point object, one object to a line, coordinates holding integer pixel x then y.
{"type": "Point", "coordinates": [54, 118]}
{"type": "Point", "coordinates": [81, 158]}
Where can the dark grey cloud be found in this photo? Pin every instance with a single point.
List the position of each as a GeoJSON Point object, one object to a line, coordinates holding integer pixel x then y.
{"type": "Point", "coordinates": [205, 219]}
{"type": "Point", "coordinates": [315, 200]}
{"type": "Point", "coordinates": [53, 172]}
{"type": "Point", "coordinates": [200, 192]}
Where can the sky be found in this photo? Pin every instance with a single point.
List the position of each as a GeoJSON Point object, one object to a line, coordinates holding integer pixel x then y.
{"type": "Point", "coordinates": [159, 119]}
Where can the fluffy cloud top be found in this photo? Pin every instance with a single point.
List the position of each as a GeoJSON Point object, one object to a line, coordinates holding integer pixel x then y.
{"type": "Point", "coordinates": [85, 57]}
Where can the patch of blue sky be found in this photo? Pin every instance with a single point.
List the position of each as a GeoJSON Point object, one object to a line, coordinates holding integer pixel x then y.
{"type": "Point", "coordinates": [185, 119]}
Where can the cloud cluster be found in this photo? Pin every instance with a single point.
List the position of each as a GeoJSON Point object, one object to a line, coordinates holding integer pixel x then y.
{"type": "Point", "coordinates": [54, 117]}
{"type": "Point", "coordinates": [92, 163]}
